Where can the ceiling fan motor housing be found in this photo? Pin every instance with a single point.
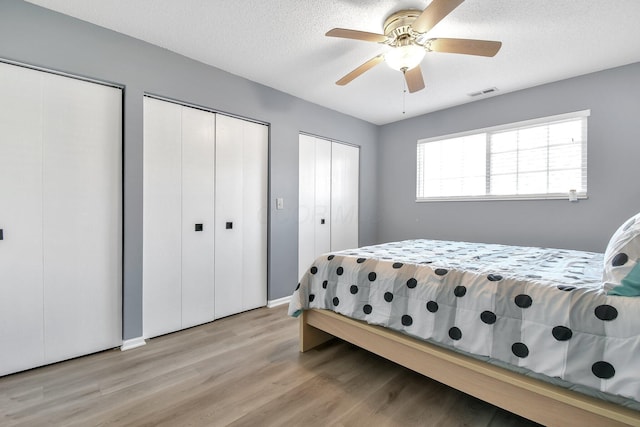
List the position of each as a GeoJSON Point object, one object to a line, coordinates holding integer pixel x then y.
{"type": "Point", "coordinates": [397, 27]}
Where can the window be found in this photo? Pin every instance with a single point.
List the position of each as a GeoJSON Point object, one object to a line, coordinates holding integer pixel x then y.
{"type": "Point", "coordinates": [537, 159]}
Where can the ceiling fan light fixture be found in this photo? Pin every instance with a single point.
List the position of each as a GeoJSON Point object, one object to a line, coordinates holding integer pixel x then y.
{"type": "Point", "coordinates": [404, 58]}
{"type": "Point", "coordinates": [407, 41]}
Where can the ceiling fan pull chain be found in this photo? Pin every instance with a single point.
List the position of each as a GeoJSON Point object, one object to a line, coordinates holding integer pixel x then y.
{"type": "Point", "coordinates": [404, 94]}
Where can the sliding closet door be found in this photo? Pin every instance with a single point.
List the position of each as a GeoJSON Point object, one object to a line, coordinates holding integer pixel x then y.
{"type": "Point", "coordinates": [82, 216]}
{"type": "Point", "coordinates": [162, 230]}
{"type": "Point", "coordinates": [198, 135]}
{"type": "Point", "coordinates": [345, 172]}
{"type": "Point", "coordinates": [241, 209]}
{"type": "Point", "coordinates": [21, 274]}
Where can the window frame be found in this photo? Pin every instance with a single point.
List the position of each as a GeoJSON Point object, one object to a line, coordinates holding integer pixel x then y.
{"type": "Point", "coordinates": [548, 120]}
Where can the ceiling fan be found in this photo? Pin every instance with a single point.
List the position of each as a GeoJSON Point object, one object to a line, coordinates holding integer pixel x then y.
{"type": "Point", "coordinates": [405, 32]}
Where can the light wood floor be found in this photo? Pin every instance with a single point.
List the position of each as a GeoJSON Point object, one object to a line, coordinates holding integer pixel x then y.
{"type": "Point", "coordinates": [244, 370]}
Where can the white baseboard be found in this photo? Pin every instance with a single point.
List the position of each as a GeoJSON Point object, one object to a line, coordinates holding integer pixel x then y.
{"type": "Point", "coordinates": [132, 343]}
{"type": "Point", "coordinates": [279, 301]}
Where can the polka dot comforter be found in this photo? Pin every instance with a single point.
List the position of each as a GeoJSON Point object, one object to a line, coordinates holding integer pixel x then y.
{"type": "Point", "coordinates": [540, 309]}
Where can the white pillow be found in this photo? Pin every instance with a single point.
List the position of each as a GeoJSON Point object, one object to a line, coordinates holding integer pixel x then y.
{"type": "Point", "coordinates": [622, 254]}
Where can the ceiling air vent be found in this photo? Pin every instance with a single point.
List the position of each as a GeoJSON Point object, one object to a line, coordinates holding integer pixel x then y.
{"type": "Point", "coordinates": [484, 92]}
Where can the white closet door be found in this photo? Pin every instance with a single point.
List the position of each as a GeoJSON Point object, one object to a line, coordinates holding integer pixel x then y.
{"type": "Point", "coordinates": [254, 206]}
{"type": "Point", "coordinates": [323, 220]}
{"type": "Point", "coordinates": [82, 231]}
{"type": "Point", "coordinates": [21, 281]}
{"type": "Point", "coordinates": [162, 231]}
{"type": "Point", "coordinates": [306, 203]}
{"type": "Point", "coordinates": [198, 139]}
{"type": "Point", "coordinates": [228, 218]}
{"type": "Point", "coordinates": [240, 250]}
{"type": "Point", "coordinates": [345, 170]}
{"type": "Point", "coordinates": [314, 200]}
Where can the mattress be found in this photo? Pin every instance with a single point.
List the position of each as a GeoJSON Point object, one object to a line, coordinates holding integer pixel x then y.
{"type": "Point", "coordinates": [539, 309]}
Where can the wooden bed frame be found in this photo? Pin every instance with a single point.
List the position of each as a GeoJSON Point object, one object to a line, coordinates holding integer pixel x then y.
{"type": "Point", "coordinates": [528, 397]}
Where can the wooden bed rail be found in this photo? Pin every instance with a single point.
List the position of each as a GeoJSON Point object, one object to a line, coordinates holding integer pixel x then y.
{"type": "Point", "coordinates": [534, 399]}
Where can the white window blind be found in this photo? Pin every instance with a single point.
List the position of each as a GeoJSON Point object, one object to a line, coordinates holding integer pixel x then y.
{"type": "Point", "coordinates": [542, 158]}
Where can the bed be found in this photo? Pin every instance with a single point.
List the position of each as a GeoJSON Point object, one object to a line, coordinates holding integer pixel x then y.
{"type": "Point", "coordinates": [550, 334]}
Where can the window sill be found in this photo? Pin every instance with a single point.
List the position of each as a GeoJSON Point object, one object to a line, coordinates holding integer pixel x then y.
{"type": "Point", "coordinates": [500, 198]}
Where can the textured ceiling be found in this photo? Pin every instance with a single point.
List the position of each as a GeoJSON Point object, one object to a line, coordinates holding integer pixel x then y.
{"type": "Point", "coordinates": [281, 44]}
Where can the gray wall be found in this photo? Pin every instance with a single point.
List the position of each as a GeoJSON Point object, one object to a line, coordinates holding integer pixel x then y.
{"type": "Point", "coordinates": [37, 36]}
{"type": "Point", "coordinates": [613, 96]}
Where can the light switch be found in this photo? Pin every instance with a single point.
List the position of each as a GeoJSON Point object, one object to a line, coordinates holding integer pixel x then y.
{"type": "Point", "coordinates": [280, 203]}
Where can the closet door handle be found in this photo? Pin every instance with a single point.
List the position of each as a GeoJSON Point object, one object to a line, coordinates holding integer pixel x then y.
{"type": "Point", "coordinates": [199, 227]}
{"type": "Point", "coordinates": [322, 221]}
{"type": "Point", "coordinates": [1, 234]}
{"type": "Point", "coordinates": [229, 225]}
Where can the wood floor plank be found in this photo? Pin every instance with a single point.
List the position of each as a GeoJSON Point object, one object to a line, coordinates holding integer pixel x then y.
{"type": "Point", "coordinates": [243, 370]}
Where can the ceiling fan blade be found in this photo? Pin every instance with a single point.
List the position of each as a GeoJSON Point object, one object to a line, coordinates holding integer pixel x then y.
{"type": "Point", "coordinates": [356, 35]}
{"type": "Point", "coordinates": [433, 14]}
{"type": "Point", "coordinates": [414, 79]}
{"type": "Point", "coordinates": [464, 46]}
{"type": "Point", "coordinates": [360, 70]}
